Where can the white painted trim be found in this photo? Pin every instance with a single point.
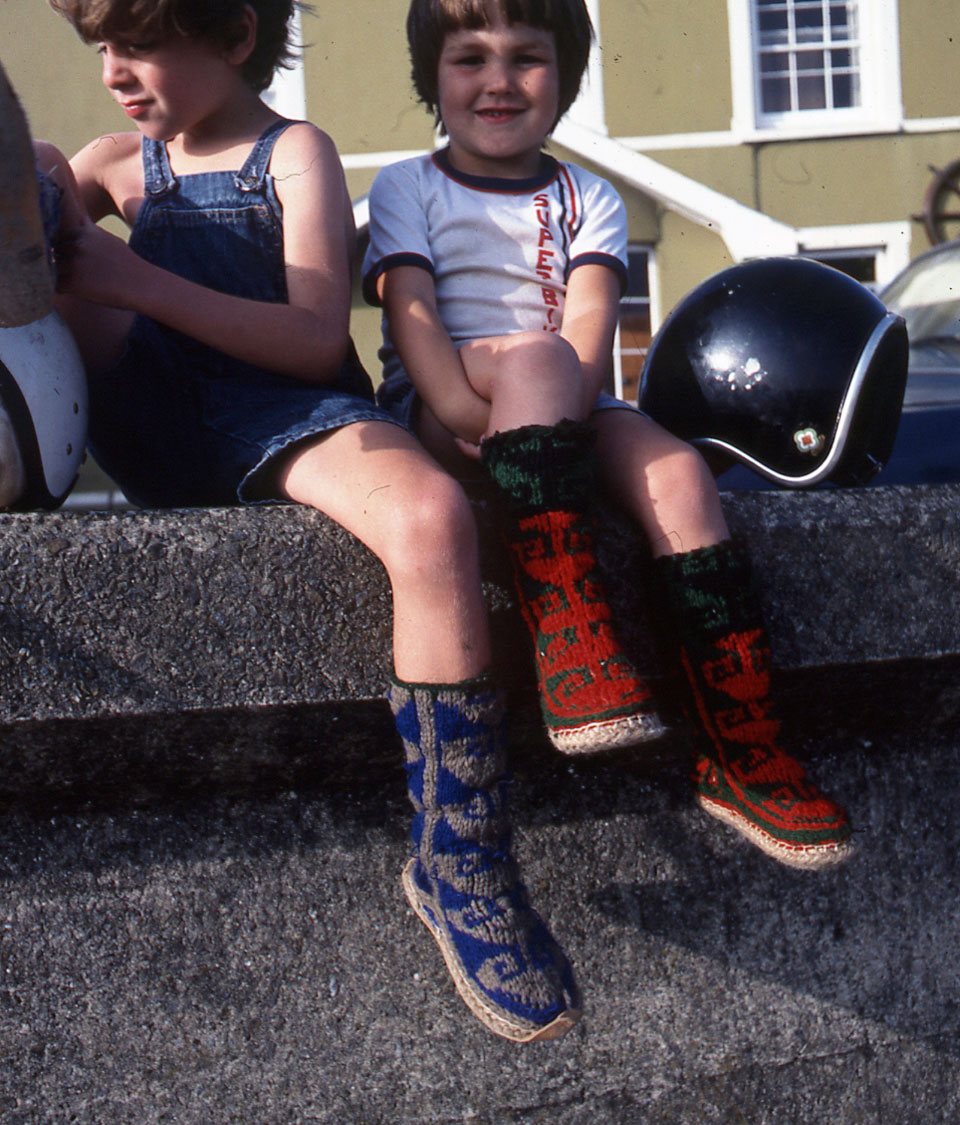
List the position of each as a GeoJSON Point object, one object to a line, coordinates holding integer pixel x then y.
{"type": "Point", "coordinates": [889, 242]}
{"type": "Point", "coordinates": [617, 364]}
{"type": "Point", "coordinates": [287, 93]}
{"type": "Point", "coordinates": [662, 141]}
{"type": "Point", "coordinates": [361, 213]}
{"type": "Point", "coordinates": [931, 124]}
{"type": "Point", "coordinates": [746, 232]}
{"type": "Point", "coordinates": [743, 119]}
{"type": "Point", "coordinates": [353, 161]}
{"type": "Point", "coordinates": [657, 142]}
{"type": "Point", "coordinates": [656, 294]}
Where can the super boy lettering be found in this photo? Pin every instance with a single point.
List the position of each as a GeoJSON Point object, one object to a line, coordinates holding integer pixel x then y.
{"type": "Point", "coordinates": [544, 265]}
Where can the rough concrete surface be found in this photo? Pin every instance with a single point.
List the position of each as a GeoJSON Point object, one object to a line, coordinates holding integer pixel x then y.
{"type": "Point", "coordinates": [230, 943]}
{"type": "Point", "coordinates": [253, 960]}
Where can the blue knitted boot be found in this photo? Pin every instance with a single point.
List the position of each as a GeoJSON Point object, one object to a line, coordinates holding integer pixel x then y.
{"type": "Point", "coordinates": [462, 881]}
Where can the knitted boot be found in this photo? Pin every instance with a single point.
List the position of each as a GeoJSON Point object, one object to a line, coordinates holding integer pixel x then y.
{"type": "Point", "coordinates": [591, 696]}
{"type": "Point", "coordinates": [742, 774]}
{"type": "Point", "coordinates": [462, 881]}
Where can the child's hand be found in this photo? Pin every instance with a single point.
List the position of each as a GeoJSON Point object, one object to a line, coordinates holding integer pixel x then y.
{"type": "Point", "coordinates": [96, 266]}
{"type": "Point", "coordinates": [469, 449]}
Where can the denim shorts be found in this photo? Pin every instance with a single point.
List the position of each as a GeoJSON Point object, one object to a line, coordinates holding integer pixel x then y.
{"type": "Point", "coordinates": [175, 430]}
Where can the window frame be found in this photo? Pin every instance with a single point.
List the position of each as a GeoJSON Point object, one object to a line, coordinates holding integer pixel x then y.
{"type": "Point", "coordinates": [652, 301]}
{"type": "Point", "coordinates": [881, 104]}
{"type": "Point", "coordinates": [887, 244]}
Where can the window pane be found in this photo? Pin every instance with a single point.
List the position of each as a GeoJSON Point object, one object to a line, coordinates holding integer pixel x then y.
{"type": "Point", "coordinates": [811, 93]}
{"type": "Point", "coordinates": [773, 28]}
{"type": "Point", "coordinates": [843, 24]}
{"type": "Point", "coordinates": [809, 24]}
{"type": "Point", "coordinates": [635, 320]}
{"type": "Point", "coordinates": [638, 276]}
{"type": "Point", "coordinates": [775, 64]}
{"type": "Point", "coordinates": [775, 95]}
{"type": "Point", "coordinates": [810, 60]}
{"type": "Point", "coordinates": [845, 91]}
{"type": "Point", "coordinates": [861, 267]}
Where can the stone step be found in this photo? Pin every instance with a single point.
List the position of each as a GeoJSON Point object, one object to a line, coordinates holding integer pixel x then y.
{"type": "Point", "coordinates": [141, 649]}
{"type": "Point", "coordinates": [204, 821]}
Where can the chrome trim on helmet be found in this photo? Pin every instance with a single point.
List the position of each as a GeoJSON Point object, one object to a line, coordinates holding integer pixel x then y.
{"type": "Point", "coordinates": [841, 431]}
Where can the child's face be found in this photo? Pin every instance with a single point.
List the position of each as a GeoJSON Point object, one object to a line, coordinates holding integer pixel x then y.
{"type": "Point", "coordinates": [167, 88]}
{"type": "Point", "coordinates": [498, 90]}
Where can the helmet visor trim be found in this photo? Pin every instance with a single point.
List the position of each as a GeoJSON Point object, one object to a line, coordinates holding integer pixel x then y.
{"type": "Point", "coordinates": [889, 323]}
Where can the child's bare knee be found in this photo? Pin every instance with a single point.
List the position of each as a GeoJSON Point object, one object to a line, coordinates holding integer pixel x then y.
{"type": "Point", "coordinates": [683, 469]}
{"type": "Point", "coordinates": [432, 529]}
{"type": "Point", "coordinates": [546, 350]}
{"type": "Point", "coordinates": [51, 161]}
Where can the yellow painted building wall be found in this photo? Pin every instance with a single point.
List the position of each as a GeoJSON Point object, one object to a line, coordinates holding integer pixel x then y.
{"type": "Point", "coordinates": [930, 57]}
{"type": "Point", "coordinates": [56, 76]}
{"type": "Point", "coordinates": [666, 66]}
{"type": "Point", "coordinates": [666, 72]}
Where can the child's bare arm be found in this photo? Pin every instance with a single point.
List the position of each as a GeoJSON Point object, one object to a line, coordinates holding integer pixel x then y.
{"type": "Point", "coordinates": [589, 323]}
{"type": "Point", "coordinates": [306, 338]}
{"type": "Point", "coordinates": [428, 354]}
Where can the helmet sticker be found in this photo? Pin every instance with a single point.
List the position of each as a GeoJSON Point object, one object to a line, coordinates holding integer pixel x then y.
{"type": "Point", "coordinates": [808, 441]}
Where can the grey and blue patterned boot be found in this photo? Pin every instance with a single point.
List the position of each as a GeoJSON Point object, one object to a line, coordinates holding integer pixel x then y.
{"type": "Point", "coordinates": [462, 881]}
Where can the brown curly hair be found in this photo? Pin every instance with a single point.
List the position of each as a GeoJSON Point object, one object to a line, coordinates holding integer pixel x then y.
{"type": "Point", "coordinates": [216, 21]}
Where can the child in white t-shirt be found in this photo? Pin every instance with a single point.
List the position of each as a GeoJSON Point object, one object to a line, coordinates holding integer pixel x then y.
{"type": "Point", "coordinates": [499, 270]}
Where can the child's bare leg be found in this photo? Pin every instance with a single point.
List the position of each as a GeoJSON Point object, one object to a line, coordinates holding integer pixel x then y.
{"type": "Point", "coordinates": [379, 483]}
{"type": "Point", "coordinates": [661, 481]}
{"type": "Point", "coordinates": [100, 332]}
{"type": "Point", "coordinates": [375, 480]}
{"type": "Point", "coordinates": [530, 378]}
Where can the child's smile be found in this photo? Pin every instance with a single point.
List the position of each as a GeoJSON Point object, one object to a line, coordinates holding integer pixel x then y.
{"type": "Point", "coordinates": [498, 90]}
{"type": "Point", "coordinates": [167, 87]}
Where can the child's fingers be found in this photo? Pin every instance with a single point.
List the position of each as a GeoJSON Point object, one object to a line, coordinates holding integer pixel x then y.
{"type": "Point", "coordinates": [469, 449]}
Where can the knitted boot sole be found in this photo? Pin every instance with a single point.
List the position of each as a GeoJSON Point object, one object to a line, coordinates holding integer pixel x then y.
{"type": "Point", "coordinates": [501, 1023]}
{"type": "Point", "coordinates": [607, 734]}
{"type": "Point", "coordinates": [804, 855]}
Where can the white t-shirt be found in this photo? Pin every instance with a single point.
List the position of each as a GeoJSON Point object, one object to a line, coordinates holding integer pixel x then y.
{"type": "Point", "coordinates": [500, 251]}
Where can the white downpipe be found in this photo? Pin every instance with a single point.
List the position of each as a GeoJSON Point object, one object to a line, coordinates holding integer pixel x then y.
{"type": "Point", "coordinates": [287, 94]}
{"type": "Point", "coordinates": [589, 109]}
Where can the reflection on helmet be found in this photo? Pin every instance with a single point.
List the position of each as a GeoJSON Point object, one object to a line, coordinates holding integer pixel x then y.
{"type": "Point", "coordinates": [43, 414]}
{"type": "Point", "coordinates": [786, 365]}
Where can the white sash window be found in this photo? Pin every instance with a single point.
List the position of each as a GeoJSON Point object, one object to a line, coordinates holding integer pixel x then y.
{"type": "Point", "coordinates": [815, 66]}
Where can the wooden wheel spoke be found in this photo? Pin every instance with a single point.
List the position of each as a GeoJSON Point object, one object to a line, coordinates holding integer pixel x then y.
{"type": "Point", "coordinates": [940, 201]}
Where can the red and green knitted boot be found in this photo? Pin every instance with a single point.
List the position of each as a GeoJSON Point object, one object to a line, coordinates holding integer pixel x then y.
{"type": "Point", "coordinates": [743, 775]}
{"type": "Point", "coordinates": [590, 694]}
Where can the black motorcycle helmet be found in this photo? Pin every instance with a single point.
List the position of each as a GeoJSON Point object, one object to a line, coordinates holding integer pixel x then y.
{"type": "Point", "coordinates": [786, 365]}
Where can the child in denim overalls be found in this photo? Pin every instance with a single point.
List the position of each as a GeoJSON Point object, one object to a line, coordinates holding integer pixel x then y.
{"type": "Point", "coordinates": [221, 370]}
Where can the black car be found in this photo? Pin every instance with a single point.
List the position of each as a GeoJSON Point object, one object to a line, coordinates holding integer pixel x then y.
{"type": "Point", "coordinates": [927, 448]}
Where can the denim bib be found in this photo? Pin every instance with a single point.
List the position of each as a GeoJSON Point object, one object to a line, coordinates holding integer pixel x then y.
{"type": "Point", "coordinates": [177, 423]}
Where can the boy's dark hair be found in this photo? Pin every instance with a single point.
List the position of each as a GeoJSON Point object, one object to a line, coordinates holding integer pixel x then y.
{"type": "Point", "coordinates": [430, 21]}
{"type": "Point", "coordinates": [216, 21]}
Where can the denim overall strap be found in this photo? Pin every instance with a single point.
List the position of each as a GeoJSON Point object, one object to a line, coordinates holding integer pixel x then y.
{"type": "Point", "coordinates": [252, 176]}
{"type": "Point", "coordinates": [158, 179]}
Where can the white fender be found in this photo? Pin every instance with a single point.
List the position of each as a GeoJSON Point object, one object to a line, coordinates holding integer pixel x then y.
{"type": "Point", "coordinates": [43, 413]}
